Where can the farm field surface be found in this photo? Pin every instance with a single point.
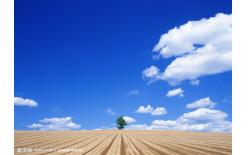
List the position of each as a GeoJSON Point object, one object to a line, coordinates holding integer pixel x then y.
{"type": "Point", "coordinates": [125, 142]}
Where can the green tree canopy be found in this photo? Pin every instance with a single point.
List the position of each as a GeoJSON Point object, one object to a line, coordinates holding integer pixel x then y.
{"type": "Point", "coordinates": [120, 123]}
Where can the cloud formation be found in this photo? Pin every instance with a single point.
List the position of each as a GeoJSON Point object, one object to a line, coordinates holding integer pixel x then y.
{"type": "Point", "coordinates": [175, 92]}
{"type": "Point", "coordinates": [152, 73]}
{"type": "Point", "coordinates": [195, 82]}
{"type": "Point", "coordinates": [153, 111]}
{"type": "Point", "coordinates": [200, 48]}
{"type": "Point", "coordinates": [202, 103]}
{"type": "Point", "coordinates": [63, 123]}
{"type": "Point", "coordinates": [142, 109]}
{"type": "Point", "coordinates": [159, 111]}
{"type": "Point", "coordinates": [19, 101]}
{"type": "Point", "coordinates": [129, 120]}
{"type": "Point", "coordinates": [203, 119]}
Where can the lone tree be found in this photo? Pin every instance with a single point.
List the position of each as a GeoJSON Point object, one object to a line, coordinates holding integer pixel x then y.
{"type": "Point", "coordinates": [120, 123]}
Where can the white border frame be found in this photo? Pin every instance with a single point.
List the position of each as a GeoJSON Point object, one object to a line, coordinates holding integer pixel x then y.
{"type": "Point", "coordinates": [240, 77]}
{"type": "Point", "coordinates": [6, 77]}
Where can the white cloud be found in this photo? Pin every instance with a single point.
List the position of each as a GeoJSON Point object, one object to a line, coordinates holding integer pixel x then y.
{"type": "Point", "coordinates": [195, 82]}
{"type": "Point", "coordinates": [151, 110]}
{"type": "Point", "coordinates": [19, 101]}
{"type": "Point", "coordinates": [175, 92]}
{"type": "Point", "coordinates": [192, 66]}
{"type": "Point", "coordinates": [63, 123]}
{"type": "Point", "coordinates": [110, 112]}
{"type": "Point", "coordinates": [147, 109]}
{"type": "Point", "coordinates": [200, 48]}
{"type": "Point", "coordinates": [202, 119]}
{"type": "Point", "coordinates": [35, 125]}
{"type": "Point", "coordinates": [159, 111]}
{"type": "Point", "coordinates": [202, 114]}
{"type": "Point", "coordinates": [187, 38]}
{"type": "Point", "coordinates": [137, 127]}
{"type": "Point", "coordinates": [151, 73]}
{"type": "Point", "coordinates": [133, 92]}
{"type": "Point", "coordinates": [164, 123]}
{"type": "Point", "coordinates": [201, 103]}
{"type": "Point", "coordinates": [129, 120]}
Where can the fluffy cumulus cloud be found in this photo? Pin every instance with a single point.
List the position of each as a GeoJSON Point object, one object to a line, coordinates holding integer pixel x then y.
{"type": "Point", "coordinates": [152, 73]}
{"type": "Point", "coordinates": [143, 109]}
{"type": "Point", "coordinates": [63, 123]}
{"type": "Point", "coordinates": [137, 127]}
{"type": "Point", "coordinates": [200, 48]}
{"type": "Point", "coordinates": [175, 92]}
{"type": "Point", "coordinates": [150, 110]}
{"type": "Point", "coordinates": [159, 124]}
{"type": "Point", "coordinates": [19, 101]}
{"type": "Point", "coordinates": [202, 119]}
{"type": "Point", "coordinates": [159, 111]}
{"type": "Point", "coordinates": [202, 103]}
{"type": "Point", "coordinates": [129, 120]}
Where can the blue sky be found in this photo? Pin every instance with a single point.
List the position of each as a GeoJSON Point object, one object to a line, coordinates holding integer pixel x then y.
{"type": "Point", "coordinates": [77, 59]}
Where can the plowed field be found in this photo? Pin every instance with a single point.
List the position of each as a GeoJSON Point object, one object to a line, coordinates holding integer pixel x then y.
{"type": "Point", "coordinates": [122, 143]}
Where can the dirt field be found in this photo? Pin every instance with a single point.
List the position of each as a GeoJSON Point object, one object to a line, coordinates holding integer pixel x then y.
{"type": "Point", "coordinates": [121, 143]}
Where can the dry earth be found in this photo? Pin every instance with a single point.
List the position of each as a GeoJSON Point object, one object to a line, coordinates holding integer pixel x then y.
{"type": "Point", "coordinates": [122, 143]}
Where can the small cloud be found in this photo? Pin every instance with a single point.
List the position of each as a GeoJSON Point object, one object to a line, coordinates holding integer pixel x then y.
{"type": "Point", "coordinates": [129, 120]}
{"type": "Point", "coordinates": [143, 109]}
{"type": "Point", "coordinates": [201, 103]}
{"type": "Point", "coordinates": [159, 111]}
{"type": "Point", "coordinates": [19, 101]}
{"type": "Point", "coordinates": [175, 92]}
{"type": "Point", "coordinates": [195, 82]}
{"type": "Point", "coordinates": [110, 112]}
{"type": "Point", "coordinates": [153, 111]}
{"type": "Point", "coordinates": [168, 123]}
{"type": "Point", "coordinates": [133, 92]}
{"type": "Point", "coordinates": [63, 123]}
{"type": "Point", "coordinates": [151, 73]}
